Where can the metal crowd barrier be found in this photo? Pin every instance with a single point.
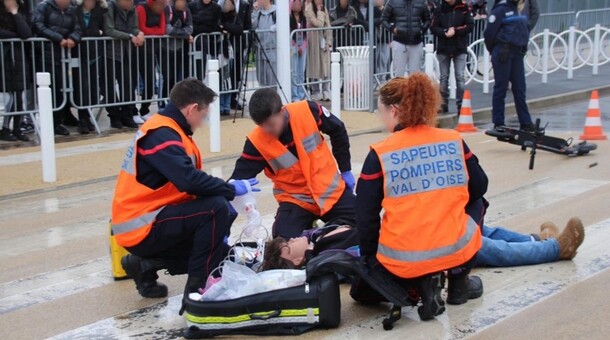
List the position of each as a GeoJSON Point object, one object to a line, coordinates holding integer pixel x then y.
{"type": "Point", "coordinates": [342, 36]}
{"type": "Point", "coordinates": [589, 18]}
{"type": "Point", "coordinates": [104, 73]}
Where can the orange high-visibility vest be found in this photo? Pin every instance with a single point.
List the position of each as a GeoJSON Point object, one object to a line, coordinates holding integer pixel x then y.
{"type": "Point", "coordinates": [135, 206]}
{"type": "Point", "coordinates": [311, 181]}
{"type": "Point", "coordinates": [425, 228]}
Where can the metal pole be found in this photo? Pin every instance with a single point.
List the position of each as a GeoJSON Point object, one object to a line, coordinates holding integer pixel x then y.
{"type": "Point", "coordinates": [335, 84]}
{"type": "Point", "coordinates": [429, 60]}
{"type": "Point", "coordinates": [371, 10]}
{"type": "Point", "coordinates": [214, 115]}
{"type": "Point", "coordinates": [485, 70]}
{"type": "Point", "coordinates": [283, 47]}
{"type": "Point", "coordinates": [47, 133]}
{"type": "Point", "coordinates": [596, 46]}
{"type": "Point", "coordinates": [545, 56]}
{"type": "Point", "coordinates": [571, 42]}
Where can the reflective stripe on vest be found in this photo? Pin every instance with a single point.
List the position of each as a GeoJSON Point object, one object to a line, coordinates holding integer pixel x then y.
{"type": "Point", "coordinates": [302, 198]}
{"type": "Point", "coordinates": [135, 223]}
{"type": "Point", "coordinates": [425, 255]}
{"type": "Point", "coordinates": [330, 190]}
{"type": "Point", "coordinates": [285, 161]}
{"type": "Point", "coordinates": [311, 142]}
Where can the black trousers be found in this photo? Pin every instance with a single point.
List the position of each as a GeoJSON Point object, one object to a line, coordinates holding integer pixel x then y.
{"type": "Point", "coordinates": [189, 237]}
{"type": "Point", "coordinates": [87, 81]}
{"type": "Point", "coordinates": [362, 292]}
{"type": "Point", "coordinates": [291, 219]}
{"type": "Point", "coordinates": [125, 74]}
{"type": "Point", "coordinates": [148, 57]}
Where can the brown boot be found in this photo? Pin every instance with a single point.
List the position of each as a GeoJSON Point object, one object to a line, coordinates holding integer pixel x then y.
{"type": "Point", "coordinates": [548, 230]}
{"type": "Point", "coordinates": [571, 238]}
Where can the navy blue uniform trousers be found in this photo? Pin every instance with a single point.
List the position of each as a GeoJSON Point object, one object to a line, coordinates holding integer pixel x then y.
{"type": "Point", "coordinates": [509, 68]}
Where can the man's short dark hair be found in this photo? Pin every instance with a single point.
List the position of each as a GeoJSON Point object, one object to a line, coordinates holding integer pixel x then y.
{"type": "Point", "coordinates": [263, 104]}
{"type": "Point", "coordinates": [191, 91]}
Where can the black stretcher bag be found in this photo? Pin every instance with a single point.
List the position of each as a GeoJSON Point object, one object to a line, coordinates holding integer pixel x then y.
{"type": "Point", "coordinates": [288, 311]}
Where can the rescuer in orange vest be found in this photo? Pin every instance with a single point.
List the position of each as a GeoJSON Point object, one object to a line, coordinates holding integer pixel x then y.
{"type": "Point", "coordinates": [167, 212]}
{"type": "Point", "coordinates": [310, 181]}
{"type": "Point", "coordinates": [420, 176]}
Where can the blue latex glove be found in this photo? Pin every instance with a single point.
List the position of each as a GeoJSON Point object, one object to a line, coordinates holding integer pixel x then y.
{"type": "Point", "coordinates": [349, 180]}
{"type": "Point", "coordinates": [244, 186]}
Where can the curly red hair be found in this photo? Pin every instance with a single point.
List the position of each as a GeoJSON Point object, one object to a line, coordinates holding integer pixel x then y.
{"type": "Point", "coordinates": [417, 99]}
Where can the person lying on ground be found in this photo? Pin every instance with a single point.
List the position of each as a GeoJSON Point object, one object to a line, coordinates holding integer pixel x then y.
{"type": "Point", "coordinates": [501, 247]}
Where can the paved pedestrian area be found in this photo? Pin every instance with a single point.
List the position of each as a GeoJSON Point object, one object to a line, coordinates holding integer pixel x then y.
{"type": "Point", "coordinates": [56, 281]}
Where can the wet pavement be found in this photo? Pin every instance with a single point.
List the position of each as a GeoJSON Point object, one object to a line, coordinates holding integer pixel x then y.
{"type": "Point", "coordinates": [56, 281]}
{"type": "Point", "coordinates": [569, 117]}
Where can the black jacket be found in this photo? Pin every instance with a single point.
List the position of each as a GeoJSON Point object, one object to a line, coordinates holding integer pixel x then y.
{"type": "Point", "coordinates": [15, 70]}
{"type": "Point", "coordinates": [251, 162]}
{"type": "Point", "coordinates": [54, 24]}
{"type": "Point", "coordinates": [364, 19]}
{"type": "Point", "coordinates": [90, 48]}
{"type": "Point", "coordinates": [411, 18]}
{"type": "Point", "coordinates": [159, 162]}
{"type": "Point", "coordinates": [457, 16]}
{"type": "Point", "coordinates": [206, 18]}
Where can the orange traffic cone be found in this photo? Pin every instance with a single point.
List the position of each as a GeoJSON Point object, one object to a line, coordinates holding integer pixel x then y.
{"type": "Point", "coordinates": [593, 124]}
{"type": "Point", "coordinates": [465, 123]}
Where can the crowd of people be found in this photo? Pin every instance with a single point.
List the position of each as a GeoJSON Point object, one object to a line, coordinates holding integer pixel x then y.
{"type": "Point", "coordinates": [150, 45]}
{"type": "Point", "coordinates": [144, 53]}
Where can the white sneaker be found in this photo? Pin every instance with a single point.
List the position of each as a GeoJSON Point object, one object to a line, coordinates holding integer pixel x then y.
{"type": "Point", "coordinates": [138, 119]}
{"type": "Point", "coordinates": [147, 116]}
{"type": "Point", "coordinates": [316, 97]}
{"type": "Point", "coordinates": [326, 96]}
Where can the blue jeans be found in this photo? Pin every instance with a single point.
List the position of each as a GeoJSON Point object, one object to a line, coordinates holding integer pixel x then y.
{"type": "Point", "coordinates": [225, 103]}
{"type": "Point", "coordinates": [298, 74]}
{"type": "Point", "coordinates": [504, 248]}
{"type": "Point", "coordinates": [459, 67]}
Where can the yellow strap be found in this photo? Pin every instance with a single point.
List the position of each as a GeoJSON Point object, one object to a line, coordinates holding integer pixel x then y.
{"type": "Point", "coordinates": [246, 317]}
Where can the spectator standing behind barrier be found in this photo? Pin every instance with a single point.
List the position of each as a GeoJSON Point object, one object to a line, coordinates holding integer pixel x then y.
{"type": "Point", "coordinates": [362, 18]}
{"type": "Point", "coordinates": [151, 21]}
{"type": "Point", "coordinates": [319, 46]}
{"type": "Point", "coordinates": [87, 80]}
{"type": "Point", "coordinates": [206, 20]}
{"type": "Point", "coordinates": [343, 15]}
{"type": "Point", "coordinates": [451, 24]}
{"type": "Point", "coordinates": [264, 18]}
{"type": "Point", "coordinates": [298, 48]}
{"type": "Point", "coordinates": [179, 21]}
{"type": "Point", "coordinates": [15, 71]}
{"type": "Point", "coordinates": [243, 20]}
{"type": "Point", "coordinates": [506, 38]}
{"type": "Point", "coordinates": [230, 29]}
{"type": "Point", "coordinates": [121, 23]}
{"type": "Point", "coordinates": [56, 20]}
{"type": "Point", "coordinates": [382, 43]}
{"type": "Point", "coordinates": [408, 20]}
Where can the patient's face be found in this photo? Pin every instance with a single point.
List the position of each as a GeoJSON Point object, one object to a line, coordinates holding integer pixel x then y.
{"type": "Point", "coordinates": [294, 250]}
